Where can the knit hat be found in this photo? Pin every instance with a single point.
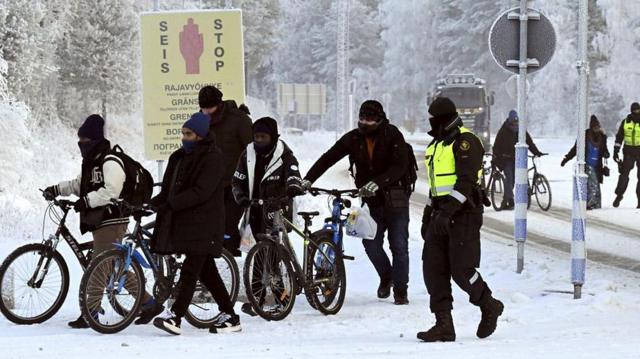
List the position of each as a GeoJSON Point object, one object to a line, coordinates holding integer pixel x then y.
{"type": "Point", "coordinates": [92, 128]}
{"type": "Point", "coordinates": [593, 121]}
{"type": "Point", "coordinates": [198, 123]}
{"type": "Point", "coordinates": [635, 107]}
{"type": "Point", "coordinates": [372, 108]}
{"type": "Point", "coordinates": [442, 108]}
{"type": "Point", "coordinates": [513, 115]}
{"type": "Point", "coordinates": [209, 96]}
{"type": "Point", "coordinates": [266, 125]}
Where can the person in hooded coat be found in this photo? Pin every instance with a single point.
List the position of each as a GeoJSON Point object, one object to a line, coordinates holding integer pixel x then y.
{"type": "Point", "coordinates": [628, 138]}
{"type": "Point", "coordinates": [378, 152]}
{"type": "Point", "coordinates": [596, 152]}
{"type": "Point", "coordinates": [190, 221]}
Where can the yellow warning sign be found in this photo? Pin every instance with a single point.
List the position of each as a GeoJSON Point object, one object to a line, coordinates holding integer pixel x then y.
{"type": "Point", "coordinates": [181, 53]}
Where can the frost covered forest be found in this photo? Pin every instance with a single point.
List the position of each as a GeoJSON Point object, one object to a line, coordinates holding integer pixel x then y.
{"type": "Point", "coordinates": [65, 59]}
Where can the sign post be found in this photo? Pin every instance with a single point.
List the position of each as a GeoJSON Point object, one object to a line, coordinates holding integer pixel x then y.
{"type": "Point", "coordinates": [579, 211]}
{"type": "Point", "coordinates": [522, 40]}
{"type": "Point", "coordinates": [181, 53]}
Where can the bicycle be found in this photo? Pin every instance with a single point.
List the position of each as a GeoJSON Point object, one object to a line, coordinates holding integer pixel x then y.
{"type": "Point", "coordinates": [111, 289]}
{"type": "Point", "coordinates": [273, 277]}
{"type": "Point", "coordinates": [538, 186]}
{"type": "Point", "coordinates": [495, 183]}
{"type": "Point", "coordinates": [34, 278]}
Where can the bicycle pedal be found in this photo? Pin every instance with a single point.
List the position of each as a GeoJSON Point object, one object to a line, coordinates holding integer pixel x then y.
{"type": "Point", "coordinates": [349, 258]}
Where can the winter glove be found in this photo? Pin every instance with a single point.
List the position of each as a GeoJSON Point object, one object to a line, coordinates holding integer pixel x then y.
{"type": "Point", "coordinates": [442, 219]}
{"type": "Point", "coordinates": [368, 190]}
{"type": "Point", "coordinates": [306, 184]}
{"type": "Point", "coordinates": [426, 219]}
{"type": "Point", "coordinates": [244, 202]}
{"type": "Point", "coordinates": [564, 162]}
{"type": "Point", "coordinates": [50, 193]}
{"type": "Point", "coordinates": [616, 154]}
{"type": "Point", "coordinates": [294, 187]}
{"type": "Point", "coordinates": [80, 205]}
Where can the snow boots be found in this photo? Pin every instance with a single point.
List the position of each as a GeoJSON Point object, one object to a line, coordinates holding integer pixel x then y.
{"type": "Point", "coordinates": [384, 289]}
{"type": "Point", "coordinates": [443, 331]}
{"type": "Point", "coordinates": [617, 201]}
{"type": "Point", "coordinates": [490, 313]}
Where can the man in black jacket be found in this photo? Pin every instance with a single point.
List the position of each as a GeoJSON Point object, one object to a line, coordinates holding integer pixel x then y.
{"type": "Point", "coordinates": [379, 153]}
{"type": "Point", "coordinates": [629, 136]}
{"type": "Point", "coordinates": [191, 221]}
{"type": "Point", "coordinates": [267, 169]}
{"type": "Point", "coordinates": [504, 155]}
{"type": "Point", "coordinates": [231, 127]}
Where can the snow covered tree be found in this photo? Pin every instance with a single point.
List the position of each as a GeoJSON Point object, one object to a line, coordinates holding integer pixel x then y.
{"type": "Point", "coordinates": [99, 56]}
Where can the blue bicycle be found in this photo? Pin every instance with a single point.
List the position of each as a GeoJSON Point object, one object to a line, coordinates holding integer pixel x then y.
{"type": "Point", "coordinates": [113, 287]}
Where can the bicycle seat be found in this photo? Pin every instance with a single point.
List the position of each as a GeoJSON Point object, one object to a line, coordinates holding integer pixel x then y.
{"type": "Point", "coordinates": [308, 214]}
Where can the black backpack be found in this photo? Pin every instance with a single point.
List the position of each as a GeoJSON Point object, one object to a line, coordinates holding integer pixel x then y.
{"type": "Point", "coordinates": [138, 185]}
{"type": "Point", "coordinates": [410, 177]}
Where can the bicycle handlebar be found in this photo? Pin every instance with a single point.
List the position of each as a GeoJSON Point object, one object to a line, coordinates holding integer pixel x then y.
{"type": "Point", "coordinates": [353, 193]}
{"type": "Point", "coordinates": [143, 211]}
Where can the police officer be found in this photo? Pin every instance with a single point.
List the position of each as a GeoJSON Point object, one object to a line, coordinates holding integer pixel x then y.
{"type": "Point", "coordinates": [629, 134]}
{"type": "Point", "coordinates": [451, 223]}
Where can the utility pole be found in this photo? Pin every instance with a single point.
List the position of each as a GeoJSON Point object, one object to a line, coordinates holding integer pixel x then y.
{"type": "Point", "coordinates": [579, 212]}
{"type": "Point", "coordinates": [342, 60]}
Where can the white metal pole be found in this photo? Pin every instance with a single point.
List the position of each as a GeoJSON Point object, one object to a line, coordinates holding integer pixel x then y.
{"type": "Point", "coordinates": [521, 186]}
{"type": "Point", "coordinates": [578, 247]}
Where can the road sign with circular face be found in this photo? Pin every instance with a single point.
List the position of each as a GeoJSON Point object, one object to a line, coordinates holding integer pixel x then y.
{"type": "Point", "coordinates": [504, 40]}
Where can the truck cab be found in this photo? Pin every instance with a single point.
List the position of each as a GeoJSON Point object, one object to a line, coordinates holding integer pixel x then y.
{"type": "Point", "coordinates": [472, 100]}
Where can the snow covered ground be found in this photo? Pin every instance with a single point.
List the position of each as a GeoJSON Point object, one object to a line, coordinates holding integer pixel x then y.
{"type": "Point", "coordinates": [538, 321]}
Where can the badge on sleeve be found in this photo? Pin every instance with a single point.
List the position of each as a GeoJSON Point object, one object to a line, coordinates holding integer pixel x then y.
{"type": "Point", "coordinates": [465, 145]}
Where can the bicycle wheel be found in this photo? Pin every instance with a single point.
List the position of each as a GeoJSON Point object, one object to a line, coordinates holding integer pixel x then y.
{"type": "Point", "coordinates": [270, 281]}
{"type": "Point", "coordinates": [497, 190]}
{"type": "Point", "coordinates": [542, 191]}
{"type": "Point", "coordinates": [29, 294]}
{"type": "Point", "coordinates": [107, 304]}
{"type": "Point", "coordinates": [326, 278]}
{"type": "Point", "coordinates": [203, 307]}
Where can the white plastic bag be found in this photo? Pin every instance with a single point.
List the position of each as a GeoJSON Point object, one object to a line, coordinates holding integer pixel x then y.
{"type": "Point", "coordinates": [360, 224]}
{"type": "Point", "coordinates": [247, 241]}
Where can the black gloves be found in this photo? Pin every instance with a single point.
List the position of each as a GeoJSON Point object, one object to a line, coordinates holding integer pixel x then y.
{"type": "Point", "coordinates": [426, 219]}
{"type": "Point", "coordinates": [442, 219]}
{"type": "Point", "coordinates": [564, 162]}
{"type": "Point", "coordinates": [50, 193]}
{"type": "Point", "coordinates": [616, 154]}
{"type": "Point", "coordinates": [295, 187]}
{"type": "Point", "coordinates": [80, 205]}
{"type": "Point", "coordinates": [244, 202]}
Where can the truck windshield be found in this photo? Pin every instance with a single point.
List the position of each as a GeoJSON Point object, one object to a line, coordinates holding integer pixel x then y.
{"type": "Point", "coordinates": [464, 97]}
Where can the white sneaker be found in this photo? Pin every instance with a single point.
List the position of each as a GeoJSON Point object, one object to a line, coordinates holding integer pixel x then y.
{"type": "Point", "coordinates": [225, 323]}
{"type": "Point", "coordinates": [168, 322]}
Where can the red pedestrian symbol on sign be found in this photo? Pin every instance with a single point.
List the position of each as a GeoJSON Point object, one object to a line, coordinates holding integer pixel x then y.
{"type": "Point", "coordinates": [191, 46]}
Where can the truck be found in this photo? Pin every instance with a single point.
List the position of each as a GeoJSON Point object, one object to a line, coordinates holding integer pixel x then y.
{"type": "Point", "coordinates": [472, 100]}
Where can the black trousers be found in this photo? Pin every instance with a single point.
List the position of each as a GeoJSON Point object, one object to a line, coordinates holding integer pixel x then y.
{"type": "Point", "coordinates": [232, 215]}
{"type": "Point", "coordinates": [201, 267]}
{"type": "Point", "coordinates": [455, 255]}
{"type": "Point", "coordinates": [630, 159]}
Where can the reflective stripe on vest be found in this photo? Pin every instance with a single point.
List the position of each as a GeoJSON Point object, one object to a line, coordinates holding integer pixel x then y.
{"type": "Point", "coordinates": [631, 133]}
{"type": "Point", "coordinates": [440, 163]}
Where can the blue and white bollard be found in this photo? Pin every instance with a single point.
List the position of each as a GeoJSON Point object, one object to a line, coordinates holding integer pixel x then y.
{"type": "Point", "coordinates": [521, 202]}
{"type": "Point", "coordinates": [578, 229]}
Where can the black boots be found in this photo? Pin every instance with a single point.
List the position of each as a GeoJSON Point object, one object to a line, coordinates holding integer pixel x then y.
{"type": "Point", "coordinates": [384, 289]}
{"type": "Point", "coordinates": [443, 331]}
{"type": "Point", "coordinates": [400, 296]}
{"type": "Point", "coordinates": [490, 313]}
{"type": "Point", "coordinates": [616, 202]}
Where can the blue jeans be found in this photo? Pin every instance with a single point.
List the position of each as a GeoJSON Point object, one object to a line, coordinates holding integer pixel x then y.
{"type": "Point", "coordinates": [509, 179]}
{"type": "Point", "coordinates": [395, 221]}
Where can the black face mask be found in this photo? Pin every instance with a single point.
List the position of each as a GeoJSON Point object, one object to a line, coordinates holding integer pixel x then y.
{"type": "Point", "coordinates": [86, 148]}
{"type": "Point", "coordinates": [436, 127]}
{"type": "Point", "coordinates": [635, 116]}
{"type": "Point", "coordinates": [368, 130]}
{"type": "Point", "coordinates": [262, 148]}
